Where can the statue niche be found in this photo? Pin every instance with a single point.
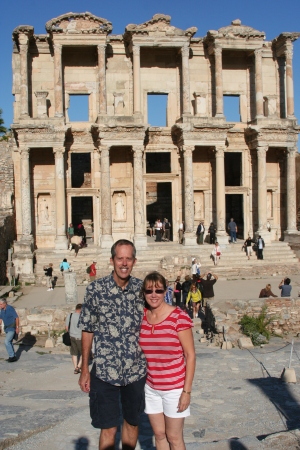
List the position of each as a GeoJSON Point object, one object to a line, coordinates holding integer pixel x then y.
{"type": "Point", "coordinates": [44, 212]}
{"type": "Point", "coordinates": [120, 208]}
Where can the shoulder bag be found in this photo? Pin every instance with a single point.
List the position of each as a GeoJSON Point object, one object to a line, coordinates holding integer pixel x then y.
{"type": "Point", "coordinates": [66, 336]}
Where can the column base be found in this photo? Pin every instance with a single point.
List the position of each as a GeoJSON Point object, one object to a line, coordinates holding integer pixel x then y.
{"type": "Point", "coordinates": [61, 243]}
{"type": "Point", "coordinates": [265, 234]}
{"type": "Point", "coordinates": [288, 234]}
{"type": "Point", "coordinates": [140, 242]}
{"type": "Point", "coordinates": [222, 238]}
{"type": "Point", "coordinates": [106, 241]}
{"type": "Point", "coordinates": [189, 239]}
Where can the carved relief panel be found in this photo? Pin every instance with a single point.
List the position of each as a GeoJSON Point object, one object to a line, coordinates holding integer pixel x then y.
{"type": "Point", "coordinates": [44, 212]}
{"type": "Point", "coordinates": [199, 205]}
{"type": "Point", "coordinates": [119, 204]}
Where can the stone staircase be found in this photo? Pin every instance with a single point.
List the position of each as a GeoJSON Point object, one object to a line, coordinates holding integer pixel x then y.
{"type": "Point", "coordinates": [172, 259]}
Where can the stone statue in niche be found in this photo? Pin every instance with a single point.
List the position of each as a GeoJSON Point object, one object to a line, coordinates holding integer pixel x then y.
{"type": "Point", "coordinates": [44, 211]}
{"type": "Point", "coordinates": [199, 210]}
{"type": "Point", "coordinates": [119, 207]}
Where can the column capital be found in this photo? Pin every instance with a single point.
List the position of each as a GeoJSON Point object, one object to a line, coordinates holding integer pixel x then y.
{"type": "Point", "coordinates": [101, 47]}
{"type": "Point", "coordinates": [218, 50]}
{"type": "Point", "coordinates": [24, 152]}
{"type": "Point", "coordinates": [188, 150]}
{"type": "Point", "coordinates": [258, 52]}
{"type": "Point", "coordinates": [59, 152]}
{"type": "Point", "coordinates": [138, 150]}
{"type": "Point", "coordinates": [57, 47]}
{"type": "Point", "coordinates": [292, 151]}
{"type": "Point", "coordinates": [262, 151]}
{"type": "Point", "coordinates": [136, 50]}
{"type": "Point", "coordinates": [185, 50]}
{"type": "Point", "coordinates": [103, 149]}
{"type": "Point", "coordinates": [219, 151]}
{"type": "Point", "coordinates": [288, 53]}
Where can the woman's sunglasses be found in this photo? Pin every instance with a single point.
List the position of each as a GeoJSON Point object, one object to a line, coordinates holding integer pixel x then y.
{"type": "Point", "coordinates": [157, 291]}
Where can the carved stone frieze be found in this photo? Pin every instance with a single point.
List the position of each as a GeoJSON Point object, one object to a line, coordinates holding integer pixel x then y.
{"type": "Point", "coordinates": [79, 23]}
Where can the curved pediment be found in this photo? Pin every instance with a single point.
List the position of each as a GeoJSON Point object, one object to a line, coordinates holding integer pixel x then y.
{"type": "Point", "coordinates": [79, 23]}
{"type": "Point", "coordinates": [159, 25]}
{"type": "Point", "coordinates": [236, 31]}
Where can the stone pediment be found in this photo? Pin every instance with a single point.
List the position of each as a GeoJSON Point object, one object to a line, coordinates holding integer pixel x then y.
{"type": "Point", "coordinates": [158, 26]}
{"type": "Point", "coordinates": [79, 23]}
{"type": "Point", "coordinates": [236, 31]}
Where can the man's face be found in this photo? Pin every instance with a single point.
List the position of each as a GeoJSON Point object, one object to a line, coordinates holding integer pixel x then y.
{"type": "Point", "coordinates": [2, 305]}
{"type": "Point", "coordinates": [123, 262]}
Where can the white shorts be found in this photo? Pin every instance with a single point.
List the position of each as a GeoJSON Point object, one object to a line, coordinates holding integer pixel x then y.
{"type": "Point", "coordinates": [249, 251]}
{"type": "Point", "coordinates": [164, 402]}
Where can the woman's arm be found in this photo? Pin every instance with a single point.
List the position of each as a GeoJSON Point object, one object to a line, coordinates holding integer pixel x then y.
{"type": "Point", "coordinates": [187, 341]}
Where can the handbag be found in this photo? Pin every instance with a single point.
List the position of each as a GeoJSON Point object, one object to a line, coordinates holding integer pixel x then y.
{"type": "Point", "coordinates": [66, 336]}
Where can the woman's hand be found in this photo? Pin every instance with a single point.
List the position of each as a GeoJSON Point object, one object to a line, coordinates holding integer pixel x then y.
{"type": "Point", "coordinates": [184, 402]}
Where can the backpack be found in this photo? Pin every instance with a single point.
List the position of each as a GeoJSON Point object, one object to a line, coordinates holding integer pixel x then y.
{"type": "Point", "coordinates": [167, 226]}
{"type": "Point", "coordinates": [89, 269]}
{"type": "Point", "coordinates": [200, 287]}
{"type": "Point", "coordinates": [198, 271]}
{"type": "Point", "coordinates": [198, 229]}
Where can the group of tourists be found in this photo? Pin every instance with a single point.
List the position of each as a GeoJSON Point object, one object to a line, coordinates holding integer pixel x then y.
{"type": "Point", "coordinates": [284, 286]}
{"type": "Point", "coordinates": [160, 230]}
{"type": "Point", "coordinates": [76, 237]}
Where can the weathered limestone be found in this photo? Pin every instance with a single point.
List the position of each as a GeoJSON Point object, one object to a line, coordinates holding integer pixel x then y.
{"type": "Point", "coordinates": [185, 53]}
{"type": "Point", "coordinates": [262, 192]}
{"type": "Point", "coordinates": [291, 191]}
{"type": "Point", "coordinates": [61, 241]}
{"type": "Point", "coordinates": [71, 292]}
{"type": "Point", "coordinates": [189, 235]}
{"type": "Point", "coordinates": [23, 42]}
{"type": "Point", "coordinates": [106, 238]}
{"type": "Point", "coordinates": [220, 195]}
{"type": "Point", "coordinates": [218, 81]}
{"type": "Point", "coordinates": [58, 88]}
{"type": "Point", "coordinates": [25, 195]}
{"type": "Point", "coordinates": [289, 82]}
{"type": "Point", "coordinates": [140, 238]}
{"type": "Point", "coordinates": [136, 79]}
{"type": "Point", "coordinates": [258, 83]}
{"type": "Point", "coordinates": [41, 104]}
{"type": "Point", "coordinates": [102, 77]}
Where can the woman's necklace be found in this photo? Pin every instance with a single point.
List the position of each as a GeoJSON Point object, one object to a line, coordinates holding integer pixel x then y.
{"type": "Point", "coordinates": [153, 325]}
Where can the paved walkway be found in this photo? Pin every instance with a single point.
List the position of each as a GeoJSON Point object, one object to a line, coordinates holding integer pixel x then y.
{"type": "Point", "coordinates": [236, 395]}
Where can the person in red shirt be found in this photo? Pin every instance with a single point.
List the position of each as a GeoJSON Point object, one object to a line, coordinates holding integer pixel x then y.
{"type": "Point", "coordinates": [166, 339]}
{"type": "Point", "coordinates": [93, 271]}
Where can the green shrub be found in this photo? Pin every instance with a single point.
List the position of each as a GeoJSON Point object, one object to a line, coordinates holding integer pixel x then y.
{"type": "Point", "coordinates": [254, 326]}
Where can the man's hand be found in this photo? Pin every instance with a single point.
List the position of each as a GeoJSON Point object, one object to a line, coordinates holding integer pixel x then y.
{"type": "Point", "coordinates": [85, 381]}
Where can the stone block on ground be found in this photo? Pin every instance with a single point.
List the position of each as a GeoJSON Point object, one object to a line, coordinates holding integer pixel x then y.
{"type": "Point", "coordinates": [289, 376]}
{"type": "Point", "coordinates": [71, 293]}
{"type": "Point", "coordinates": [49, 343]}
{"type": "Point", "coordinates": [245, 342]}
{"type": "Point", "coordinates": [227, 345]}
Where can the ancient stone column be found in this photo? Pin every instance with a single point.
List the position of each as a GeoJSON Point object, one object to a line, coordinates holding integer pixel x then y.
{"type": "Point", "coordinates": [61, 242]}
{"type": "Point", "coordinates": [23, 43]}
{"type": "Point", "coordinates": [136, 80]}
{"type": "Point", "coordinates": [102, 78]}
{"type": "Point", "coordinates": [289, 82]}
{"type": "Point", "coordinates": [189, 235]}
{"type": "Point", "coordinates": [58, 87]}
{"type": "Point", "coordinates": [25, 195]}
{"type": "Point", "coordinates": [106, 238]}
{"type": "Point", "coordinates": [219, 82]}
{"type": "Point", "coordinates": [220, 195]}
{"type": "Point", "coordinates": [262, 190]}
{"type": "Point", "coordinates": [140, 238]}
{"type": "Point", "coordinates": [258, 83]}
{"type": "Point", "coordinates": [291, 191]}
{"type": "Point", "coordinates": [185, 52]}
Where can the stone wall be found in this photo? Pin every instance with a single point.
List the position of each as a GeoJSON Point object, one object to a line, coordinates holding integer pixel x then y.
{"type": "Point", "coordinates": [284, 312]}
{"type": "Point", "coordinates": [7, 236]}
{"type": "Point", "coordinates": [36, 320]}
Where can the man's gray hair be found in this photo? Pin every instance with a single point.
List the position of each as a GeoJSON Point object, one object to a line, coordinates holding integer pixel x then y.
{"type": "Point", "coordinates": [122, 242]}
{"type": "Point", "coordinates": [3, 300]}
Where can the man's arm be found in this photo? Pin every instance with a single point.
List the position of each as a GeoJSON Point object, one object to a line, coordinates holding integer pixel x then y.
{"type": "Point", "coordinates": [215, 276]}
{"type": "Point", "coordinates": [86, 343]}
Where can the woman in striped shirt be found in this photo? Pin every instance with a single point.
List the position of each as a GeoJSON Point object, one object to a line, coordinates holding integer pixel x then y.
{"type": "Point", "coordinates": [167, 341]}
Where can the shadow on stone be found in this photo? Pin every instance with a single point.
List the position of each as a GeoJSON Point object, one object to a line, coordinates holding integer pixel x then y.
{"type": "Point", "coordinates": [25, 344]}
{"type": "Point", "coordinates": [81, 443]}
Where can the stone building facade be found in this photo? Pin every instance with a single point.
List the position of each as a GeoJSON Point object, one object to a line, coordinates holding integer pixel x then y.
{"type": "Point", "coordinates": [115, 171]}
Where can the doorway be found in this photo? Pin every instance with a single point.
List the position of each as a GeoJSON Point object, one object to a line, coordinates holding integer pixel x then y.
{"type": "Point", "coordinates": [235, 209]}
{"type": "Point", "coordinates": [159, 202]}
{"type": "Point", "coordinates": [82, 212]}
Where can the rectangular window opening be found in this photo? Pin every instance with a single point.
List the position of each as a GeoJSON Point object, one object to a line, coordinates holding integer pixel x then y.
{"type": "Point", "coordinates": [231, 108]}
{"type": "Point", "coordinates": [158, 162]}
{"type": "Point", "coordinates": [81, 170]}
{"type": "Point", "coordinates": [157, 109]}
{"type": "Point", "coordinates": [78, 108]}
{"type": "Point", "coordinates": [233, 169]}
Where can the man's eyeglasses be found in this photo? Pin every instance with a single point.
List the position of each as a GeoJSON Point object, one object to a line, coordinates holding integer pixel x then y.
{"type": "Point", "coordinates": [157, 291]}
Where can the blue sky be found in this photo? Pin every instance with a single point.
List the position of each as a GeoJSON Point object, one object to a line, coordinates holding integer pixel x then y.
{"type": "Point", "coordinates": [271, 16]}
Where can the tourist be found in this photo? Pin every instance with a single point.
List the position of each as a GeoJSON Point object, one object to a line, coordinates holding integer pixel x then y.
{"type": "Point", "coordinates": [112, 314]}
{"type": "Point", "coordinates": [167, 341]}
{"type": "Point", "coordinates": [200, 233]}
{"type": "Point", "coordinates": [208, 288]}
{"type": "Point", "coordinates": [216, 253]}
{"type": "Point", "coordinates": [248, 246]}
{"type": "Point", "coordinates": [181, 232]}
{"type": "Point", "coordinates": [233, 230]}
{"type": "Point", "coordinates": [186, 288]}
{"type": "Point", "coordinates": [266, 292]}
{"type": "Point", "coordinates": [75, 336]}
{"type": "Point", "coordinates": [158, 229]}
{"type": "Point", "coordinates": [169, 294]}
{"type": "Point", "coordinates": [93, 272]}
{"type": "Point", "coordinates": [195, 269]}
{"type": "Point", "coordinates": [82, 233]}
{"type": "Point", "coordinates": [196, 297]}
{"type": "Point", "coordinates": [76, 242]}
{"type": "Point", "coordinates": [212, 233]}
{"type": "Point", "coordinates": [177, 291]}
{"type": "Point", "coordinates": [64, 265]}
{"type": "Point", "coordinates": [70, 234]}
{"type": "Point", "coordinates": [10, 319]}
{"type": "Point", "coordinates": [260, 244]}
{"type": "Point", "coordinates": [285, 287]}
{"type": "Point", "coordinates": [166, 228]}
{"type": "Point", "coordinates": [48, 273]}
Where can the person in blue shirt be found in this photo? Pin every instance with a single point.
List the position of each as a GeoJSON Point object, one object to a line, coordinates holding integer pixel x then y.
{"type": "Point", "coordinates": [285, 287]}
{"type": "Point", "coordinates": [11, 326]}
{"type": "Point", "coordinates": [169, 294]}
{"type": "Point", "coordinates": [64, 265]}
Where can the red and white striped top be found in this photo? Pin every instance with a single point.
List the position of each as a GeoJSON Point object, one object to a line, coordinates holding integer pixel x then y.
{"type": "Point", "coordinates": [163, 350]}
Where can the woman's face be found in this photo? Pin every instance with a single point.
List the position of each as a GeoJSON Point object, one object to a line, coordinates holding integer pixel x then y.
{"type": "Point", "coordinates": [154, 295]}
{"type": "Point", "coordinates": [194, 288]}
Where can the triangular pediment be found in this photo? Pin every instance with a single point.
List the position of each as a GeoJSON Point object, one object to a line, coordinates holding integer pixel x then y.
{"type": "Point", "coordinates": [159, 25]}
{"type": "Point", "coordinates": [79, 23]}
{"type": "Point", "coordinates": [236, 31]}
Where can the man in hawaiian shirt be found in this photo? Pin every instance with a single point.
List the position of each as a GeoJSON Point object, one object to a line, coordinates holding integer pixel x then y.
{"type": "Point", "coordinates": [112, 314]}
